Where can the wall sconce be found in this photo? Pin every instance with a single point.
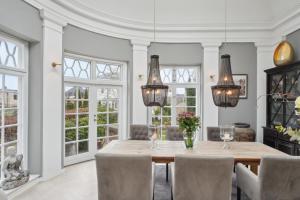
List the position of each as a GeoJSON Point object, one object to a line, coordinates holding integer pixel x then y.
{"type": "Point", "coordinates": [212, 77]}
{"type": "Point", "coordinates": [54, 64]}
{"type": "Point", "coordinates": [140, 77]}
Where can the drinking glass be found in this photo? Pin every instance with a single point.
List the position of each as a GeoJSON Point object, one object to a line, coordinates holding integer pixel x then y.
{"type": "Point", "coordinates": [226, 134]}
{"type": "Point", "coordinates": [153, 135]}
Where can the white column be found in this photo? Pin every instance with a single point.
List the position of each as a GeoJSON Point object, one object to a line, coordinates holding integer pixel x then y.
{"type": "Point", "coordinates": [210, 114]}
{"type": "Point", "coordinates": [264, 61]}
{"type": "Point", "coordinates": [52, 98]}
{"type": "Point", "coordinates": [139, 78]}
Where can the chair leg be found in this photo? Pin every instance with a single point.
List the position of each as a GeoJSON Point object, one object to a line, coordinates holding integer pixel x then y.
{"type": "Point", "coordinates": [238, 193]}
{"type": "Point", "coordinates": [171, 193]}
{"type": "Point", "coordinates": [167, 172]}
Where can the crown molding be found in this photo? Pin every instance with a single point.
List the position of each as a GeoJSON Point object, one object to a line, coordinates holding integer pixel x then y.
{"type": "Point", "coordinates": [61, 12]}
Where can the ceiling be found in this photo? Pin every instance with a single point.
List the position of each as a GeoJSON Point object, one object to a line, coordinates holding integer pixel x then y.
{"type": "Point", "coordinates": [198, 13]}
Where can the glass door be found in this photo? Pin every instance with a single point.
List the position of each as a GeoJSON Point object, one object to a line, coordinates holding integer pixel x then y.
{"type": "Point", "coordinates": [91, 120]}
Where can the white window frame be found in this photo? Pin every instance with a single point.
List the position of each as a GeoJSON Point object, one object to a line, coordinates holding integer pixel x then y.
{"type": "Point", "coordinates": [173, 86]}
{"type": "Point", "coordinates": [22, 73]}
{"type": "Point", "coordinates": [97, 83]}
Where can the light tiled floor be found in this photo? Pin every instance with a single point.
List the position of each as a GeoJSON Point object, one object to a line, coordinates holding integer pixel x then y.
{"type": "Point", "coordinates": [79, 182]}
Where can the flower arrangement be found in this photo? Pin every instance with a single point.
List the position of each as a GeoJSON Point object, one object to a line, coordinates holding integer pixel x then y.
{"type": "Point", "coordinates": [294, 133]}
{"type": "Point", "coordinates": [188, 123]}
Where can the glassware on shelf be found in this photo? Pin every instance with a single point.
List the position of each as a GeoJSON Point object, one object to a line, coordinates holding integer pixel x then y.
{"type": "Point", "coordinates": [226, 134]}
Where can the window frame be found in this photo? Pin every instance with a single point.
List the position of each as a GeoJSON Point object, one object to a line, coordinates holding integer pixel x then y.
{"type": "Point", "coordinates": [22, 106]}
{"type": "Point", "coordinates": [173, 86]}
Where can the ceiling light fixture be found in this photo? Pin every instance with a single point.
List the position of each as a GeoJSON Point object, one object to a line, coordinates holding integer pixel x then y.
{"type": "Point", "coordinates": [225, 93]}
{"type": "Point", "coordinates": [154, 92]}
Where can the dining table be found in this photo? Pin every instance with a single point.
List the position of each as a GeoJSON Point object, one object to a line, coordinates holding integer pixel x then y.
{"type": "Point", "coordinates": [247, 153]}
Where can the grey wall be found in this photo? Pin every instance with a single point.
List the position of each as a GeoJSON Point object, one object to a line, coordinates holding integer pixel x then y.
{"type": "Point", "coordinates": [294, 39]}
{"type": "Point", "coordinates": [243, 61]}
{"type": "Point", "coordinates": [23, 21]}
{"type": "Point", "coordinates": [177, 54]}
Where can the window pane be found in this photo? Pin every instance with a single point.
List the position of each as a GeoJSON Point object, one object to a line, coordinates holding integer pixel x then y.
{"type": "Point", "coordinates": [9, 54]}
{"type": "Point", "coordinates": [101, 131]}
{"type": "Point", "coordinates": [9, 145]}
{"type": "Point", "coordinates": [156, 111]}
{"type": "Point", "coordinates": [70, 92]}
{"type": "Point", "coordinates": [108, 71]}
{"type": "Point", "coordinates": [83, 147]}
{"type": "Point", "coordinates": [70, 121]}
{"type": "Point", "coordinates": [100, 143]}
{"type": "Point", "coordinates": [83, 133]}
{"type": "Point", "coordinates": [10, 99]}
{"type": "Point", "coordinates": [83, 93]}
{"type": "Point", "coordinates": [102, 119]}
{"type": "Point", "coordinates": [113, 118]}
{"type": "Point", "coordinates": [185, 75]}
{"type": "Point", "coordinates": [101, 94]}
{"type": "Point", "coordinates": [83, 106]}
{"type": "Point", "coordinates": [166, 121]}
{"type": "Point", "coordinates": [166, 75]}
{"type": "Point", "coordinates": [113, 106]}
{"type": "Point", "coordinates": [112, 138]}
{"type": "Point", "coordinates": [70, 106]}
{"type": "Point", "coordinates": [70, 149]}
{"type": "Point", "coordinates": [102, 106]}
{"type": "Point", "coordinates": [113, 130]}
{"type": "Point", "coordinates": [10, 116]}
{"type": "Point", "coordinates": [156, 121]}
{"type": "Point", "coordinates": [70, 135]}
{"type": "Point", "coordinates": [113, 93]}
{"type": "Point", "coordinates": [166, 111]}
{"type": "Point", "coordinates": [10, 134]}
{"type": "Point", "coordinates": [77, 68]}
{"type": "Point", "coordinates": [83, 120]}
{"type": "Point", "coordinates": [11, 83]}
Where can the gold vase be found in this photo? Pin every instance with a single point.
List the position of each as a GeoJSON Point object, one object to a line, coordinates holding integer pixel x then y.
{"type": "Point", "coordinates": [284, 54]}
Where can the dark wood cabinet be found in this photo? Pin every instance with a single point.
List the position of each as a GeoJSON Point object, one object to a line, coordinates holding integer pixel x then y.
{"type": "Point", "coordinates": [283, 87]}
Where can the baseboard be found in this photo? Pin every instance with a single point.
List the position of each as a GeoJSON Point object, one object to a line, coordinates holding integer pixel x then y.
{"type": "Point", "coordinates": [33, 180]}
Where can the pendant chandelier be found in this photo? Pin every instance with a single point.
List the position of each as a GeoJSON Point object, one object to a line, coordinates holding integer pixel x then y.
{"type": "Point", "coordinates": [154, 92]}
{"type": "Point", "coordinates": [225, 93]}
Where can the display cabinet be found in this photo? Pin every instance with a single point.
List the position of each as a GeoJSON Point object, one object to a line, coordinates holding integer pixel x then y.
{"type": "Point", "coordinates": [283, 87]}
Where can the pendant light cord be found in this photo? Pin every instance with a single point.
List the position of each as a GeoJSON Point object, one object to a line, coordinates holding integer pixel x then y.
{"type": "Point", "coordinates": [154, 19]}
{"type": "Point", "coordinates": [225, 19]}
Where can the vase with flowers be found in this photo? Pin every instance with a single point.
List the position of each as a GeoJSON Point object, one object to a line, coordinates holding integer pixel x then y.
{"type": "Point", "coordinates": [189, 124]}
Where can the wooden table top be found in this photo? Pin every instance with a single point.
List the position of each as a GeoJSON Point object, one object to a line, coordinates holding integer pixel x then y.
{"type": "Point", "coordinates": [166, 150]}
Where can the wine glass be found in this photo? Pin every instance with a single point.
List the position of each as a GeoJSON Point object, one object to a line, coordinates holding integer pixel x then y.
{"type": "Point", "coordinates": [226, 134]}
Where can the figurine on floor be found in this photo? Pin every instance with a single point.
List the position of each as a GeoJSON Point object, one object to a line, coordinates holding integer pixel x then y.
{"type": "Point", "coordinates": [14, 175]}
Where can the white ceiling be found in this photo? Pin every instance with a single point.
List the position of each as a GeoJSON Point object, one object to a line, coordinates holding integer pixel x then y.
{"type": "Point", "coordinates": [200, 13]}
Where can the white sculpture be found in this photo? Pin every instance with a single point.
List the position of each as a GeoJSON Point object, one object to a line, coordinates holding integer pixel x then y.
{"type": "Point", "coordinates": [12, 168]}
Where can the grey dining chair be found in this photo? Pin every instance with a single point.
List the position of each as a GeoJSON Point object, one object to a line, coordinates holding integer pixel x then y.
{"type": "Point", "coordinates": [173, 133]}
{"type": "Point", "coordinates": [201, 177]}
{"type": "Point", "coordinates": [139, 132]}
{"type": "Point", "coordinates": [124, 177]}
{"type": "Point", "coordinates": [278, 179]}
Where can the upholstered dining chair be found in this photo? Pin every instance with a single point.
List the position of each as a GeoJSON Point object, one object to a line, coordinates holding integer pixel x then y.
{"type": "Point", "coordinates": [124, 177]}
{"type": "Point", "coordinates": [278, 178]}
{"type": "Point", "coordinates": [139, 132]}
{"type": "Point", "coordinates": [201, 177]}
{"type": "Point", "coordinates": [240, 134]}
{"type": "Point", "coordinates": [173, 133]}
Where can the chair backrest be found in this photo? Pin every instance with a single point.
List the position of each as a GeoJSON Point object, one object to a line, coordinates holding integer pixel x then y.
{"type": "Point", "coordinates": [279, 178]}
{"type": "Point", "coordinates": [174, 133]}
{"type": "Point", "coordinates": [203, 177]}
{"type": "Point", "coordinates": [213, 134]}
{"type": "Point", "coordinates": [124, 177]}
{"type": "Point", "coordinates": [139, 132]}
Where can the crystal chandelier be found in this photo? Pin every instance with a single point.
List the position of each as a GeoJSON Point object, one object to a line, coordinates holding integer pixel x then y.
{"type": "Point", "coordinates": [154, 92]}
{"type": "Point", "coordinates": [225, 93]}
